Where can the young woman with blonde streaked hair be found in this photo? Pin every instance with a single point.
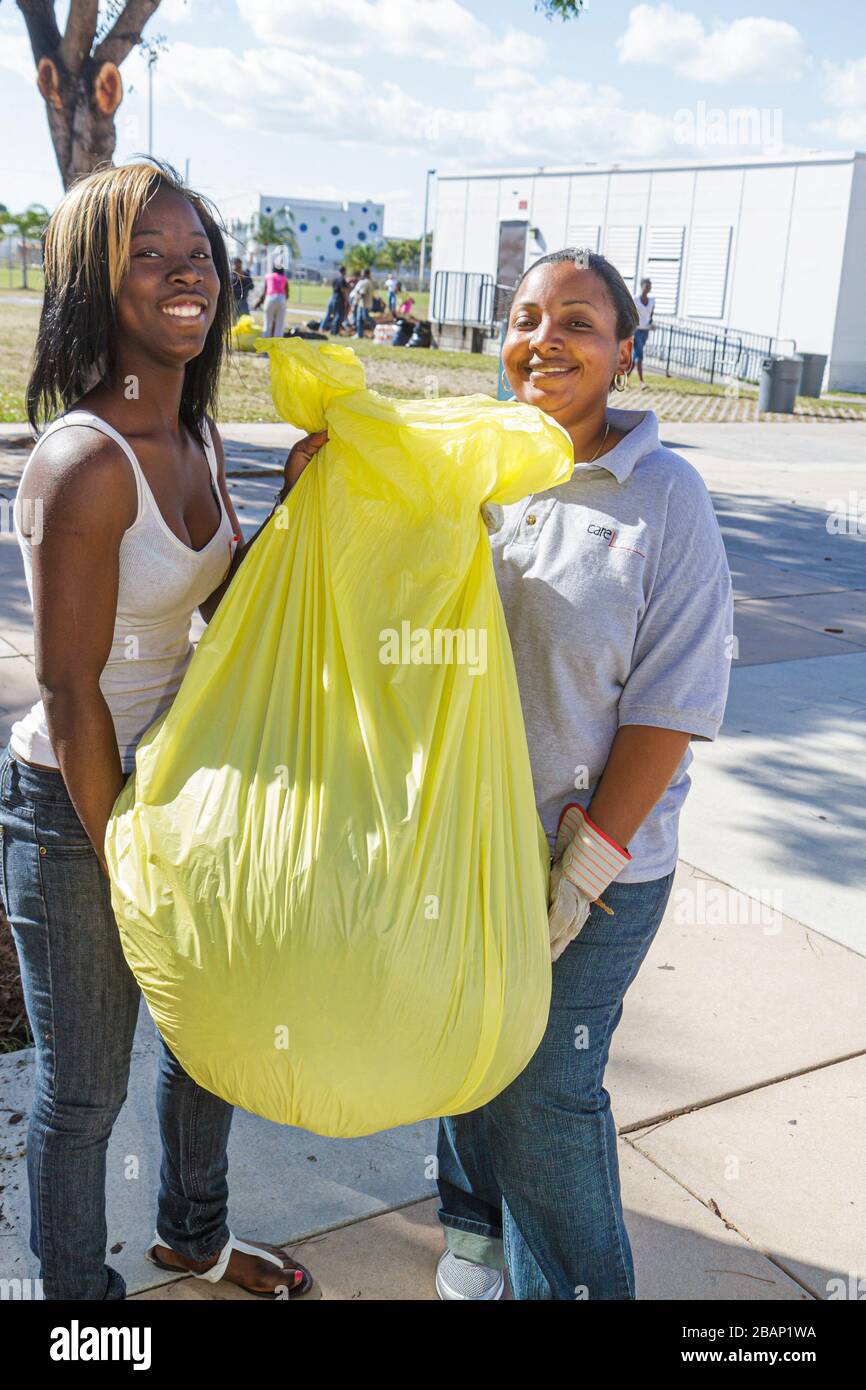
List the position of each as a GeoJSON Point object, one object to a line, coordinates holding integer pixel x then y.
{"type": "Point", "coordinates": [137, 530]}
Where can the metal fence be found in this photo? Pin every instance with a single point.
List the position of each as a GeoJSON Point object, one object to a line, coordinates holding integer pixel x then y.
{"type": "Point", "coordinates": [462, 297]}
{"type": "Point", "coordinates": [678, 347]}
{"type": "Point", "coordinates": [705, 352]}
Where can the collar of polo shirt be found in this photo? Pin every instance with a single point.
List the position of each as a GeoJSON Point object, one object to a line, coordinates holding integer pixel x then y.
{"type": "Point", "coordinates": [641, 436]}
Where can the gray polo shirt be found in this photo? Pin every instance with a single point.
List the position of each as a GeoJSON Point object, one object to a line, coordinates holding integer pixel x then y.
{"type": "Point", "coordinates": [617, 596]}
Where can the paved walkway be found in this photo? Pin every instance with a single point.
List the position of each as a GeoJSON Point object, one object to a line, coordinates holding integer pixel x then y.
{"type": "Point", "coordinates": [738, 1075]}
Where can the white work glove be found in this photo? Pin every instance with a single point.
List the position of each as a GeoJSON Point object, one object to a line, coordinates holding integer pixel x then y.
{"type": "Point", "coordinates": [585, 862]}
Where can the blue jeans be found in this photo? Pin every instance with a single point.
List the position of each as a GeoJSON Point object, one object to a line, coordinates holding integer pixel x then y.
{"type": "Point", "coordinates": [392, 301]}
{"type": "Point", "coordinates": [333, 315]}
{"type": "Point", "coordinates": [530, 1182]}
{"type": "Point", "coordinates": [361, 317]}
{"type": "Point", "coordinates": [82, 1002]}
{"type": "Point", "coordinates": [640, 337]}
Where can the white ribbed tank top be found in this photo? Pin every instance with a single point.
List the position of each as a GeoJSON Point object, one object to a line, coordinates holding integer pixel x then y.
{"type": "Point", "coordinates": [160, 584]}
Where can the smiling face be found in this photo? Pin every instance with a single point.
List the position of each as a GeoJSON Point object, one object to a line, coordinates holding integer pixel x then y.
{"type": "Point", "coordinates": [168, 298]}
{"type": "Point", "coordinates": [562, 350]}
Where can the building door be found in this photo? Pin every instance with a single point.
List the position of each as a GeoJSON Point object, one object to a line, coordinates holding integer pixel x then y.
{"type": "Point", "coordinates": [510, 262]}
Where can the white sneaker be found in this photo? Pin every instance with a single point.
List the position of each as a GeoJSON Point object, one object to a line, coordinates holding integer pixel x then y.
{"type": "Point", "coordinates": [456, 1278]}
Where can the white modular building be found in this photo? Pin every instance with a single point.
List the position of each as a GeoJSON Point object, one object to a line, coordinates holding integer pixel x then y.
{"type": "Point", "coordinates": [766, 246]}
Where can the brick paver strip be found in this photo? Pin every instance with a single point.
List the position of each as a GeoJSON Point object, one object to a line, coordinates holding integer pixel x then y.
{"type": "Point", "coordinates": [694, 406]}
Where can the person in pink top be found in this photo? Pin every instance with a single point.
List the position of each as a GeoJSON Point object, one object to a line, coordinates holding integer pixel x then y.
{"type": "Point", "coordinates": [274, 296]}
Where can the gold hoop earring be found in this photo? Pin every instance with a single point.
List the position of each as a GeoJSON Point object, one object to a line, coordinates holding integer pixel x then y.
{"type": "Point", "coordinates": [506, 384]}
{"type": "Point", "coordinates": [620, 381]}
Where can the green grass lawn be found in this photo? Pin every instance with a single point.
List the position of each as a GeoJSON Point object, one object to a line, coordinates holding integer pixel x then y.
{"type": "Point", "coordinates": [18, 324]}
{"type": "Point", "coordinates": [659, 382]}
{"type": "Point", "coordinates": [396, 372]}
{"type": "Point", "coordinates": [245, 391]}
{"type": "Point", "coordinates": [303, 294]}
{"type": "Point", "coordinates": [12, 277]}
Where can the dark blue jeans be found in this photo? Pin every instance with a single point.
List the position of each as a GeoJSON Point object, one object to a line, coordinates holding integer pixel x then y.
{"type": "Point", "coordinates": [530, 1182]}
{"type": "Point", "coordinates": [82, 1002]}
{"type": "Point", "coordinates": [333, 315]}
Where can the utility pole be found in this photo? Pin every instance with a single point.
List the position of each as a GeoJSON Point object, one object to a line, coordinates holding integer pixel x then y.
{"type": "Point", "coordinates": [424, 230]}
{"type": "Point", "coordinates": [151, 61]}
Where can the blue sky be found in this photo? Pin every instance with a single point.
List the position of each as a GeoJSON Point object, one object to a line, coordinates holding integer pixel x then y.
{"type": "Point", "coordinates": [356, 98]}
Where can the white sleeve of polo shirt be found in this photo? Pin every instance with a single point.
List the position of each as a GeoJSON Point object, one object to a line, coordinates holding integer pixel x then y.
{"type": "Point", "coordinates": [682, 659]}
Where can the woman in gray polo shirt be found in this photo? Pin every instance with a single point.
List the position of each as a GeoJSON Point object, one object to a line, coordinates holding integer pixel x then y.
{"type": "Point", "coordinates": [617, 596]}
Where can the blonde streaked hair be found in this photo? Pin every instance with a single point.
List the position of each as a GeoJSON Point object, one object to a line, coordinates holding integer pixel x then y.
{"type": "Point", "coordinates": [113, 197]}
{"type": "Point", "coordinates": [86, 252]}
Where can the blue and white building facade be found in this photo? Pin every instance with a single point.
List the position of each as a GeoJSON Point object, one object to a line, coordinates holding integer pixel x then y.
{"type": "Point", "coordinates": [326, 230]}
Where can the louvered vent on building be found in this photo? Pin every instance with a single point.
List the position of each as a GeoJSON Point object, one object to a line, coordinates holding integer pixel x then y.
{"type": "Point", "coordinates": [709, 256]}
{"type": "Point", "coordinates": [663, 264]}
{"type": "Point", "coordinates": [622, 247]}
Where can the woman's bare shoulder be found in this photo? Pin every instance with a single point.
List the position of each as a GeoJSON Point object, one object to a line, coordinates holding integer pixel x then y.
{"type": "Point", "coordinates": [83, 470]}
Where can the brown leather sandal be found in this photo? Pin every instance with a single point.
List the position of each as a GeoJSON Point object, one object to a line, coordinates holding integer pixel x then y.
{"type": "Point", "coordinates": [217, 1270]}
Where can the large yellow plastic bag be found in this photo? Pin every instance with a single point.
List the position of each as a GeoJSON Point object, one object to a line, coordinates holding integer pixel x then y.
{"type": "Point", "coordinates": [244, 333]}
{"type": "Point", "coordinates": [328, 871]}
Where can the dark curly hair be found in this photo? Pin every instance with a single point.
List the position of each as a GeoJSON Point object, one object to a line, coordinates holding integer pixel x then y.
{"type": "Point", "coordinates": [618, 291]}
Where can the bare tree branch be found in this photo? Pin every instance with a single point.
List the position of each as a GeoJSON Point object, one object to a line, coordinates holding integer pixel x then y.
{"type": "Point", "coordinates": [41, 27]}
{"type": "Point", "coordinates": [125, 33]}
{"type": "Point", "coordinates": [80, 29]}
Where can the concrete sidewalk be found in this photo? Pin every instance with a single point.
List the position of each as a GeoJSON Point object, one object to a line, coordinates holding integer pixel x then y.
{"type": "Point", "coordinates": [738, 1075]}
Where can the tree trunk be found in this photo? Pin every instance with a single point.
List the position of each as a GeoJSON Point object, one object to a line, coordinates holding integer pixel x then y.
{"type": "Point", "coordinates": [93, 134]}
{"type": "Point", "coordinates": [82, 90]}
{"type": "Point", "coordinates": [83, 136]}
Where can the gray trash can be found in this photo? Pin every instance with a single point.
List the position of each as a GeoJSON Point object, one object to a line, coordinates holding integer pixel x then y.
{"type": "Point", "coordinates": [780, 383]}
{"type": "Point", "coordinates": [813, 373]}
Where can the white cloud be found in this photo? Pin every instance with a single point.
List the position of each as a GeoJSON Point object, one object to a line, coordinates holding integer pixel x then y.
{"type": "Point", "coordinates": [178, 11]}
{"type": "Point", "coordinates": [848, 129]}
{"type": "Point", "coordinates": [844, 87]}
{"type": "Point", "coordinates": [844, 84]}
{"type": "Point", "coordinates": [660, 34]}
{"type": "Point", "coordinates": [434, 30]}
{"type": "Point", "coordinates": [499, 79]}
{"type": "Point", "coordinates": [16, 55]}
{"type": "Point", "coordinates": [754, 49]}
{"type": "Point", "coordinates": [558, 120]}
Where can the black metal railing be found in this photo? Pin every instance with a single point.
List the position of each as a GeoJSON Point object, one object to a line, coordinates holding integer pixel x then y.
{"type": "Point", "coordinates": [678, 347]}
{"type": "Point", "coordinates": [707, 352]}
{"type": "Point", "coordinates": [462, 297]}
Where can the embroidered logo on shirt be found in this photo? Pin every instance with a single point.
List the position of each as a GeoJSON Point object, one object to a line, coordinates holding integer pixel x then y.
{"type": "Point", "coordinates": [607, 533]}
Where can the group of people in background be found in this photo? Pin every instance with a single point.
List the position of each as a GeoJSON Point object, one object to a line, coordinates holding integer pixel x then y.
{"type": "Point", "coordinates": [352, 304]}
{"type": "Point", "coordinates": [354, 301]}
